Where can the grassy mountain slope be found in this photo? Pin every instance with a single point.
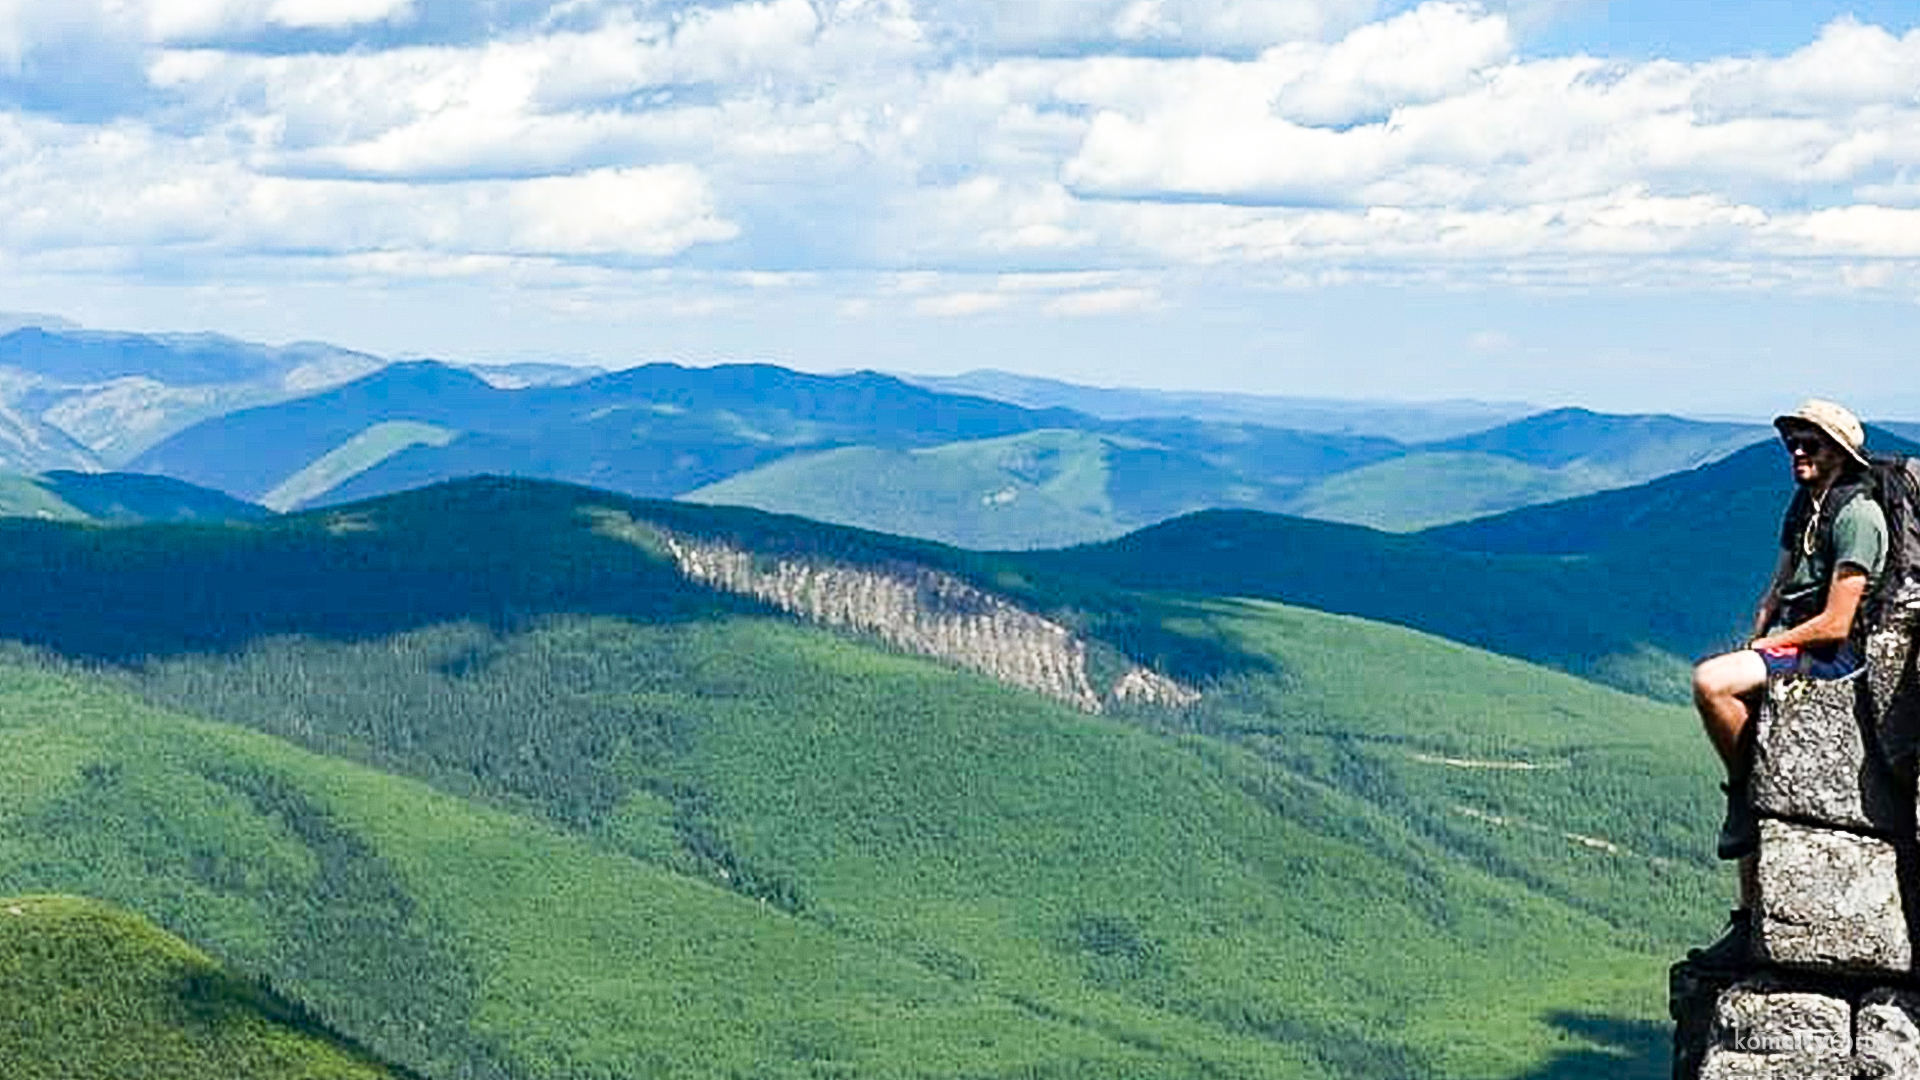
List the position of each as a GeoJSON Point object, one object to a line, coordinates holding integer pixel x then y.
{"type": "Point", "coordinates": [1548, 457]}
{"type": "Point", "coordinates": [975, 888]}
{"type": "Point", "coordinates": [117, 498]}
{"type": "Point", "coordinates": [1048, 488]}
{"type": "Point", "coordinates": [123, 498]}
{"type": "Point", "coordinates": [94, 993]}
{"type": "Point", "coordinates": [283, 439]}
{"type": "Point", "coordinates": [28, 496]}
{"type": "Point", "coordinates": [638, 808]}
{"type": "Point", "coordinates": [1036, 490]}
{"type": "Point", "coordinates": [1701, 516]}
{"type": "Point", "coordinates": [465, 940]}
{"type": "Point", "coordinates": [1039, 489]}
{"type": "Point", "coordinates": [1265, 454]}
{"type": "Point", "coordinates": [1426, 489]}
{"type": "Point", "coordinates": [351, 458]}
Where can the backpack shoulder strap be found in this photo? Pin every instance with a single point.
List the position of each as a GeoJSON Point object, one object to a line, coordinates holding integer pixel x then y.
{"type": "Point", "coordinates": [1839, 497]}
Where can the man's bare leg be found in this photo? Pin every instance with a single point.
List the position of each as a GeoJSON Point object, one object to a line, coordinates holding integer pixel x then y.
{"type": "Point", "coordinates": [1723, 692]}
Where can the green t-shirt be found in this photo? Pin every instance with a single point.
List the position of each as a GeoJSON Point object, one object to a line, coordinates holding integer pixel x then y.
{"type": "Point", "coordinates": [1859, 539]}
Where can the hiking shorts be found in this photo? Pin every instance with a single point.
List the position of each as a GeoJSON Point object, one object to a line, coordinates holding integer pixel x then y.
{"type": "Point", "coordinates": [1833, 662]}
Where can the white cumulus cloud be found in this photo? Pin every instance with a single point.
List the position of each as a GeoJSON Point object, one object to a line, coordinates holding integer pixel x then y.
{"type": "Point", "coordinates": [1308, 140]}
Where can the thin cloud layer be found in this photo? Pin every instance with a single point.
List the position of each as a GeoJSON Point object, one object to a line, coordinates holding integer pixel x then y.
{"type": "Point", "coordinates": [1292, 142]}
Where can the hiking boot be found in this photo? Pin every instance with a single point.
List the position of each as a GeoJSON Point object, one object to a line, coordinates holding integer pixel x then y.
{"type": "Point", "coordinates": [1733, 952]}
{"type": "Point", "coordinates": [1740, 832]}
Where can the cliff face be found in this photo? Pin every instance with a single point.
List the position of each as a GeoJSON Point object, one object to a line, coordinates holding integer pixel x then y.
{"type": "Point", "coordinates": [926, 612]}
{"type": "Point", "coordinates": [1827, 987]}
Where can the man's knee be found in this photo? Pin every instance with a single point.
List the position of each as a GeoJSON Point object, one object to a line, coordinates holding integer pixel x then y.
{"type": "Point", "coordinates": [1734, 674]}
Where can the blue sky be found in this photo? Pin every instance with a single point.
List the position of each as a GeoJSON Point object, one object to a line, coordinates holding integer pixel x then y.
{"type": "Point", "coordinates": [1679, 30]}
{"type": "Point", "coordinates": [1628, 204]}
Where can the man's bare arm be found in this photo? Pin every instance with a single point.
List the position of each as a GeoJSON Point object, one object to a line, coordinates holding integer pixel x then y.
{"type": "Point", "coordinates": [1763, 615]}
{"type": "Point", "coordinates": [1835, 622]}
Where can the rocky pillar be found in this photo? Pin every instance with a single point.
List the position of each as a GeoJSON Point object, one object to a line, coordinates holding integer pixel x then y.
{"type": "Point", "coordinates": [1826, 988]}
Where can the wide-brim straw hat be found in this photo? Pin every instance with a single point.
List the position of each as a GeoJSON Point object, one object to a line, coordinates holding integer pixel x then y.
{"type": "Point", "coordinates": [1833, 420]}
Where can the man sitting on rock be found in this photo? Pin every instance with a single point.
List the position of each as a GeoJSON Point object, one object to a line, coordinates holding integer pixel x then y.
{"type": "Point", "coordinates": [1834, 544]}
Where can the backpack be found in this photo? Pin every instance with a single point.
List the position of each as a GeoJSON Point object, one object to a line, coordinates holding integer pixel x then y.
{"type": "Point", "coordinates": [1893, 481]}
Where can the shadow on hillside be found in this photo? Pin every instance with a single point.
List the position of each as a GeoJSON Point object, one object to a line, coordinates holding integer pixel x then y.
{"type": "Point", "coordinates": [496, 551]}
{"type": "Point", "coordinates": [1613, 1049]}
{"type": "Point", "coordinates": [221, 1004]}
{"type": "Point", "coordinates": [499, 553]}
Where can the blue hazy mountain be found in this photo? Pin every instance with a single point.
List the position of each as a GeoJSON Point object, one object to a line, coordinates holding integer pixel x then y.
{"type": "Point", "coordinates": [115, 394]}
{"type": "Point", "coordinates": [1400, 421]}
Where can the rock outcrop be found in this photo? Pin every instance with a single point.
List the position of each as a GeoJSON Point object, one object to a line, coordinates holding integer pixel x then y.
{"type": "Point", "coordinates": [918, 610]}
{"type": "Point", "coordinates": [1826, 988]}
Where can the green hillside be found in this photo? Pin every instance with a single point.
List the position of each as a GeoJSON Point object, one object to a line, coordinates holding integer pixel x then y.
{"type": "Point", "coordinates": [27, 496]}
{"type": "Point", "coordinates": [129, 498]}
{"type": "Point", "coordinates": [1038, 489]}
{"type": "Point", "coordinates": [1551, 456]}
{"type": "Point", "coordinates": [1600, 618]}
{"type": "Point", "coordinates": [91, 992]}
{"type": "Point", "coordinates": [117, 498]}
{"type": "Point", "coordinates": [585, 818]}
{"type": "Point", "coordinates": [1426, 489]}
{"type": "Point", "coordinates": [351, 458]}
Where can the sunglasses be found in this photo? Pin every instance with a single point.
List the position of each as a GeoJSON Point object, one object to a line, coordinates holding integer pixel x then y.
{"type": "Point", "coordinates": [1804, 444]}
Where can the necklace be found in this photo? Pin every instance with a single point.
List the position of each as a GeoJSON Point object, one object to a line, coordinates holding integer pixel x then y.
{"type": "Point", "coordinates": [1810, 533]}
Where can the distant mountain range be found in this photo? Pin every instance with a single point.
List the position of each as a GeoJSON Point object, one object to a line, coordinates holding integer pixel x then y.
{"type": "Point", "coordinates": [112, 395]}
{"type": "Point", "coordinates": [653, 430]}
{"type": "Point", "coordinates": [309, 425]}
{"type": "Point", "coordinates": [1542, 458]}
{"type": "Point", "coordinates": [1403, 422]}
{"type": "Point", "coordinates": [72, 398]}
{"type": "Point", "coordinates": [873, 451]}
